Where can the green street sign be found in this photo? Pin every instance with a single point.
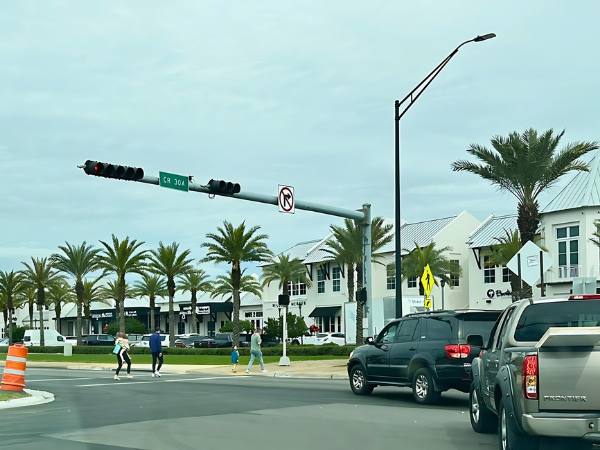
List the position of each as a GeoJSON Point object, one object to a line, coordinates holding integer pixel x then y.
{"type": "Point", "coordinates": [173, 181]}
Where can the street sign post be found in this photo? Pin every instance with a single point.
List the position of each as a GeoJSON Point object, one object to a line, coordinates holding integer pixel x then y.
{"type": "Point", "coordinates": [173, 181]}
{"type": "Point", "coordinates": [427, 281]}
{"type": "Point", "coordinates": [285, 199]}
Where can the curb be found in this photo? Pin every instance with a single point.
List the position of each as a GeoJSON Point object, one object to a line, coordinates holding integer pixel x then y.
{"type": "Point", "coordinates": [37, 398]}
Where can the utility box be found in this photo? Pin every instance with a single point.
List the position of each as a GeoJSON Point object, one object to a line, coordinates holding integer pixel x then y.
{"type": "Point", "coordinates": [584, 286]}
{"type": "Point", "coordinates": [68, 349]}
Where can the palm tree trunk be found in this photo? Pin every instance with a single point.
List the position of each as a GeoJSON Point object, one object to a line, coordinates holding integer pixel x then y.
{"type": "Point", "coordinates": [171, 287]}
{"type": "Point", "coordinates": [235, 282]}
{"type": "Point", "coordinates": [41, 295]}
{"type": "Point", "coordinates": [117, 309]}
{"type": "Point", "coordinates": [122, 303]}
{"type": "Point", "coordinates": [194, 300]}
{"type": "Point", "coordinates": [5, 314]}
{"type": "Point", "coordinates": [31, 314]}
{"type": "Point", "coordinates": [79, 292]}
{"type": "Point", "coordinates": [57, 310]}
{"type": "Point", "coordinates": [360, 313]}
{"type": "Point", "coordinates": [152, 306]}
{"type": "Point", "coordinates": [528, 220]}
{"type": "Point", "coordinates": [350, 281]}
{"type": "Point", "coordinates": [9, 303]}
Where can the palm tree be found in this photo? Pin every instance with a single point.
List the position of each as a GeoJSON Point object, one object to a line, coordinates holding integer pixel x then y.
{"type": "Point", "coordinates": [165, 261]}
{"type": "Point", "coordinates": [78, 262]}
{"type": "Point", "coordinates": [151, 286]}
{"type": "Point", "coordinates": [596, 239]}
{"type": "Point", "coordinates": [526, 165]}
{"type": "Point", "coordinates": [11, 286]}
{"type": "Point", "coordinates": [194, 281]}
{"type": "Point", "coordinates": [122, 258]}
{"type": "Point", "coordinates": [111, 291]}
{"type": "Point", "coordinates": [59, 294]}
{"type": "Point", "coordinates": [414, 265]}
{"type": "Point", "coordinates": [223, 285]}
{"type": "Point", "coordinates": [235, 245]}
{"type": "Point", "coordinates": [41, 273]}
{"type": "Point", "coordinates": [93, 292]}
{"type": "Point", "coordinates": [346, 248]}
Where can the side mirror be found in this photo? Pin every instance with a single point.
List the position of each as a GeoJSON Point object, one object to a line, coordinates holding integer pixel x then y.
{"type": "Point", "coordinates": [475, 340]}
{"type": "Point", "coordinates": [369, 341]}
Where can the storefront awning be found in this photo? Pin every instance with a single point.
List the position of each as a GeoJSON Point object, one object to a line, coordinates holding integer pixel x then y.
{"type": "Point", "coordinates": [325, 311]}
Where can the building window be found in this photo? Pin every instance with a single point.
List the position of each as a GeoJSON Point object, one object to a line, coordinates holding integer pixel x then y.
{"type": "Point", "coordinates": [320, 280]}
{"type": "Point", "coordinates": [302, 288]}
{"type": "Point", "coordinates": [296, 289]}
{"type": "Point", "coordinates": [337, 283]}
{"type": "Point", "coordinates": [453, 278]}
{"type": "Point", "coordinates": [568, 251]}
{"type": "Point", "coordinates": [505, 275]}
{"type": "Point", "coordinates": [412, 282]}
{"type": "Point", "coordinates": [489, 271]}
{"type": "Point", "coordinates": [339, 323]}
{"type": "Point", "coordinates": [391, 277]}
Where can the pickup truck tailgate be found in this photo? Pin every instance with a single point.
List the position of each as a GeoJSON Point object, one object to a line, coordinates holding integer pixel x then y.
{"type": "Point", "coordinates": [569, 369]}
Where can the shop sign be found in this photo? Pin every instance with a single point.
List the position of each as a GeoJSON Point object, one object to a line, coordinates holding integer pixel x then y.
{"type": "Point", "coordinates": [203, 310]}
{"type": "Point", "coordinates": [498, 293]}
{"type": "Point", "coordinates": [105, 315]}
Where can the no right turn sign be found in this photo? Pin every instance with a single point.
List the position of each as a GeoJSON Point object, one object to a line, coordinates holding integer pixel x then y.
{"type": "Point", "coordinates": [285, 199]}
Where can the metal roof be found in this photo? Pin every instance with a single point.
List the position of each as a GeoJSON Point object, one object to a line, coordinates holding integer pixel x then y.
{"type": "Point", "coordinates": [583, 190]}
{"type": "Point", "coordinates": [423, 233]}
{"type": "Point", "coordinates": [493, 227]}
{"type": "Point", "coordinates": [299, 251]}
{"type": "Point", "coordinates": [250, 299]}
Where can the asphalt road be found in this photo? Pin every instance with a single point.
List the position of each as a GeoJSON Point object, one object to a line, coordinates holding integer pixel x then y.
{"type": "Point", "coordinates": [94, 412]}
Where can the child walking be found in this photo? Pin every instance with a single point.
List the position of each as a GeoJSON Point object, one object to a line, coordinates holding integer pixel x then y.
{"type": "Point", "coordinates": [235, 358]}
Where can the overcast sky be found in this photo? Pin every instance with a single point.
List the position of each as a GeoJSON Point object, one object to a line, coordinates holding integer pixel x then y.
{"type": "Point", "coordinates": [266, 93]}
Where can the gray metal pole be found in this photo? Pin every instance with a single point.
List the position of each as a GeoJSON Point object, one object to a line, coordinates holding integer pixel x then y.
{"type": "Point", "coordinates": [272, 200]}
{"type": "Point", "coordinates": [367, 279]}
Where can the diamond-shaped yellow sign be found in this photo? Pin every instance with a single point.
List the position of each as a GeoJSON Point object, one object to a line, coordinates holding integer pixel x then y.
{"type": "Point", "coordinates": [427, 281]}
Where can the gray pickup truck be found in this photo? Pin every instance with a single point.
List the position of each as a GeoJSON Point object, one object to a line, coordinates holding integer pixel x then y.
{"type": "Point", "coordinates": [538, 377]}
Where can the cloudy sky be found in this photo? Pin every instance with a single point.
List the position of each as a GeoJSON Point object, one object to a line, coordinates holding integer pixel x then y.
{"type": "Point", "coordinates": [266, 93]}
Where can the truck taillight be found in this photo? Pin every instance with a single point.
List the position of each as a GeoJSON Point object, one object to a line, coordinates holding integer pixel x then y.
{"type": "Point", "coordinates": [458, 351]}
{"type": "Point", "coordinates": [530, 377]}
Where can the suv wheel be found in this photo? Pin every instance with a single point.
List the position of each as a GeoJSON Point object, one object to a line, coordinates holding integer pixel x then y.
{"type": "Point", "coordinates": [423, 389]}
{"type": "Point", "coordinates": [358, 381]}
{"type": "Point", "coordinates": [509, 438]}
{"type": "Point", "coordinates": [482, 419]}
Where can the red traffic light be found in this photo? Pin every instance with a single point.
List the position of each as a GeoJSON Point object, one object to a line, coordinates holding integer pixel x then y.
{"type": "Point", "coordinates": [118, 172]}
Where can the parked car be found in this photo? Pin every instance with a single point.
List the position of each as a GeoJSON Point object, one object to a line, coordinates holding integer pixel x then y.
{"type": "Point", "coordinates": [330, 338]}
{"type": "Point", "coordinates": [538, 373]}
{"type": "Point", "coordinates": [188, 342]}
{"type": "Point", "coordinates": [4, 342]}
{"type": "Point", "coordinates": [219, 341]}
{"type": "Point", "coordinates": [164, 339]}
{"type": "Point", "coordinates": [52, 338]}
{"type": "Point", "coordinates": [73, 339]}
{"type": "Point", "coordinates": [99, 339]}
{"type": "Point", "coordinates": [134, 339]}
{"type": "Point", "coordinates": [425, 351]}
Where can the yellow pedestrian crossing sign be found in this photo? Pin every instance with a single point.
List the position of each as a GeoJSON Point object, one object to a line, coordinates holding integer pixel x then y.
{"type": "Point", "coordinates": [427, 281]}
{"type": "Point", "coordinates": [428, 303]}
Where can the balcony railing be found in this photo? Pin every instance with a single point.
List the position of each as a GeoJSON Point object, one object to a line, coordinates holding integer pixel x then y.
{"type": "Point", "coordinates": [569, 271]}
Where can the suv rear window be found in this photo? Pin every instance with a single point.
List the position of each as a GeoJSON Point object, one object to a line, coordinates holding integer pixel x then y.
{"type": "Point", "coordinates": [537, 318]}
{"type": "Point", "coordinates": [479, 323]}
{"type": "Point", "coordinates": [441, 328]}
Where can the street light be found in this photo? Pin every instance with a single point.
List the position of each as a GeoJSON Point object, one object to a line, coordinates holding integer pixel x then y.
{"type": "Point", "coordinates": [413, 96]}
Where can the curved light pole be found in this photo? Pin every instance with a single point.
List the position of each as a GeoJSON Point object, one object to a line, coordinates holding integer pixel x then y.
{"type": "Point", "coordinates": [412, 98]}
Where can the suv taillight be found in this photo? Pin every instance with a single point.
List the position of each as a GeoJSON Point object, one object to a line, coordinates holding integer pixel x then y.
{"type": "Point", "coordinates": [458, 351]}
{"type": "Point", "coordinates": [530, 377]}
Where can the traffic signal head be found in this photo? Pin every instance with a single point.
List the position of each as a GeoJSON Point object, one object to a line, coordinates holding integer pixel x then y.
{"type": "Point", "coordinates": [221, 187]}
{"type": "Point", "coordinates": [283, 300]}
{"type": "Point", "coordinates": [106, 170]}
{"type": "Point", "coordinates": [361, 295]}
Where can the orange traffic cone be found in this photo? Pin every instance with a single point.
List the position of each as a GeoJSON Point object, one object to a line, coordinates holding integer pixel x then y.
{"type": "Point", "coordinates": [13, 378]}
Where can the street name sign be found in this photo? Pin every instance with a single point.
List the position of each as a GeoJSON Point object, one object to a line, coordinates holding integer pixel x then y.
{"type": "Point", "coordinates": [173, 181]}
{"type": "Point", "coordinates": [427, 280]}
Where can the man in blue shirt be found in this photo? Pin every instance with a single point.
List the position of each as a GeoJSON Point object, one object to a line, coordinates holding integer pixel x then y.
{"type": "Point", "coordinates": [156, 350]}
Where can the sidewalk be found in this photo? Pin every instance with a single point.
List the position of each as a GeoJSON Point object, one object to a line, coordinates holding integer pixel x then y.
{"type": "Point", "coordinates": [326, 369]}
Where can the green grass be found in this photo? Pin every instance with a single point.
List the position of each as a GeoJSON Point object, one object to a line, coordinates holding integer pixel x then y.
{"type": "Point", "coordinates": [169, 359]}
{"type": "Point", "coordinates": [9, 395]}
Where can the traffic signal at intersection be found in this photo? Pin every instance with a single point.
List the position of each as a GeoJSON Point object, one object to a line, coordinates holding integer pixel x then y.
{"type": "Point", "coordinates": [106, 170]}
{"type": "Point", "coordinates": [220, 187]}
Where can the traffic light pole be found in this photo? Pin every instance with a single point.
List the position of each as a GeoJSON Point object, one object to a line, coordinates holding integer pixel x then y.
{"type": "Point", "coordinates": [361, 217]}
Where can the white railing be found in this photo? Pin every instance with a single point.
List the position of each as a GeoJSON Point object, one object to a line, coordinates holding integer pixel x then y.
{"type": "Point", "coordinates": [569, 271]}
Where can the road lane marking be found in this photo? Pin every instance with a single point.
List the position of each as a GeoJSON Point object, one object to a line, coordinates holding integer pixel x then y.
{"type": "Point", "coordinates": [115, 383]}
{"type": "Point", "coordinates": [93, 378]}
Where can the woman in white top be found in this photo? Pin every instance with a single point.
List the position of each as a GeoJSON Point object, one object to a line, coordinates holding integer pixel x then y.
{"type": "Point", "coordinates": [123, 354]}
